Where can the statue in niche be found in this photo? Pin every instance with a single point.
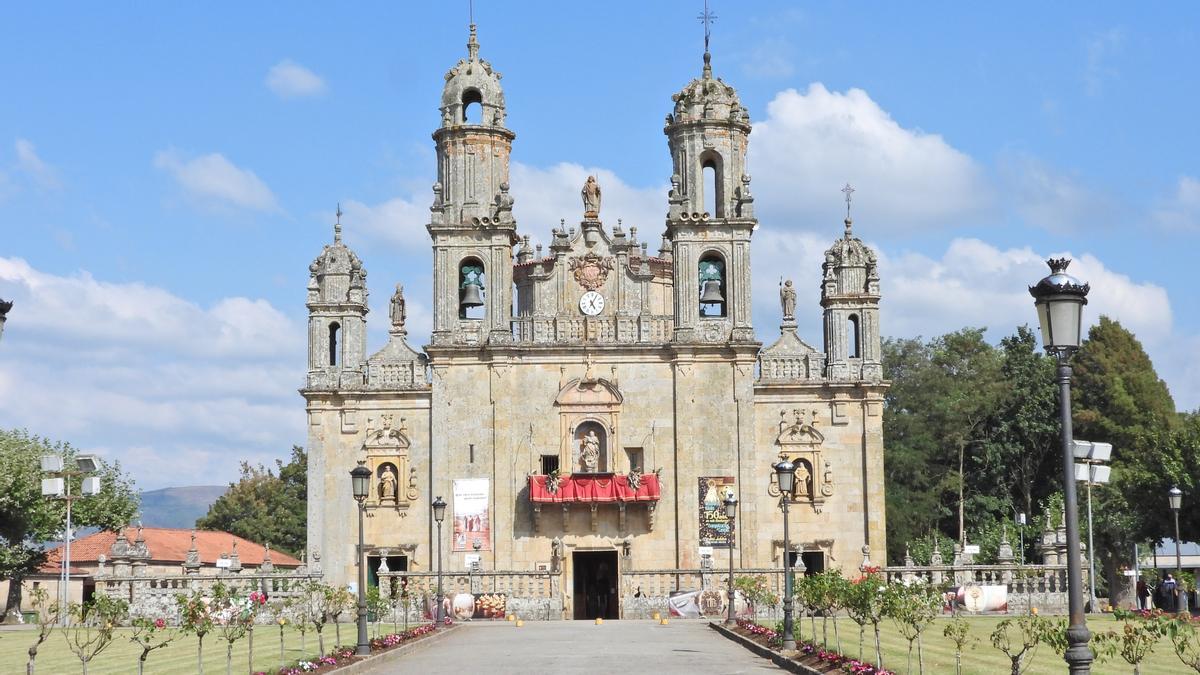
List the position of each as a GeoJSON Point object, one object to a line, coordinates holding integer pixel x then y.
{"type": "Point", "coordinates": [398, 312]}
{"type": "Point", "coordinates": [803, 480]}
{"type": "Point", "coordinates": [589, 452]}
{"type": "Point", "coordinates": [591, 198]}
{"type": "Point", "coordinates": [387, 484]}
{"type": "Point", "coordinates": [787, 298]}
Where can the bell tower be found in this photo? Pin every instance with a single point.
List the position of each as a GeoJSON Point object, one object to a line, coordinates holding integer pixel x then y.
{"type": "Point", "coordinates": [711, 215]}
{"type": "Point", "coordinates": [337, 316]}
{"type": "Point", "coordinates": [471, 222]}
{"type": "Point", "coordinates": [850, 297]}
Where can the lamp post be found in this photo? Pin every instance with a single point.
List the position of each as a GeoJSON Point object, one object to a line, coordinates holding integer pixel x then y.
{"type": "Point", "coordinates": [360, 481]}
{"type": "Point", "coordinates": [785, 473]}
{"type": "Point", "coordinates": [731, 511]}
{"type": "Point", "coordinates": [1091, 470]}
{"type": "Point", "coordinates": [1059, 299]}
{"type": "Point", "coordinates": [1175, 498]}
{"type": "Point", "coordinates": [59, 487]}
{"type": "Point", "coordinates": [439, 514]}
{"type": "Point", "coordinates": [4, 307]}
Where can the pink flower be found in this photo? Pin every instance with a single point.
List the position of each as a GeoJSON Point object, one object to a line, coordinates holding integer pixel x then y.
{"type": "Point", "coordinates": [159, 623]}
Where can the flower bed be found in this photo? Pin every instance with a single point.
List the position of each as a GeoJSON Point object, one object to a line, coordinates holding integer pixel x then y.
{"type": "Point", "coordinates": [343, 656]}
{"type": "Point", "coordinates": [807, 653]}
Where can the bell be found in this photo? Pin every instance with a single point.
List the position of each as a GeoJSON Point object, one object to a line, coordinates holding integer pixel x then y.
{"type": "Point", "coordinates": [471, 297]}
{"type": "Point", "coordinates": [712, 293]}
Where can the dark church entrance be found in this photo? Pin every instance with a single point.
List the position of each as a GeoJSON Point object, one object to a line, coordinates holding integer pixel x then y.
{"type": "Point", "coordinates": [596, 580]}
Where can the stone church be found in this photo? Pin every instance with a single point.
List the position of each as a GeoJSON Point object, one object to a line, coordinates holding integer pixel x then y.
{"type": "Point", "coordinates": [585, 409]}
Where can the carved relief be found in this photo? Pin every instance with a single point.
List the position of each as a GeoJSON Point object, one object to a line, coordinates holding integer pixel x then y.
{"type": "Point", "coordinates": [386, 447]}
{"type": "Point", "coordinates": [800, 442]}
{"type": "Point", "coordinates": [591, 270]}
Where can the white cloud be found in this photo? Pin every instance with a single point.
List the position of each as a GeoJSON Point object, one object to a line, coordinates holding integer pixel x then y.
{"type": "Point", "coordinates": [769, 58]}
{"type": "Point", "coordinates": [289, 79]}
{"type": "Point", "coordinates": [399, 221]}
{"type": "Point", "coordinates": [1182, 210]}
{"type": "Point", "coordinates": [814, 142]}
{"type": "Point", "coordinates": [35, 167]}
{"type": "Point", "coordinates": [214, 180]}
{"type": "Point", "coordinates": [543, 196]}
{"type": "Point", "coordinates": [149, 377]}
{"type": "Point", "coordinates": [1046, 198]}
{"type": "Point", "coordinates": [1100, 48]}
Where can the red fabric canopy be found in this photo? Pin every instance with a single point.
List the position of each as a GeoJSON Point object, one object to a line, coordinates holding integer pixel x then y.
{"type": "Point", "coordinates": [595, 488]}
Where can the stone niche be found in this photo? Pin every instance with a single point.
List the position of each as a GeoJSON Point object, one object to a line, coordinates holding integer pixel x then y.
{"type": "Point", "coordinates": [589, 409]}
{"type": "Point", "coordinates": [386, 452]}
{"type": "Point", "coordinates": [800, 442]}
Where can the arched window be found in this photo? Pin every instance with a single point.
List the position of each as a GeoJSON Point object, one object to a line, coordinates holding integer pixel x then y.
{"type": "Point", "coordinates": [472, 107]}
{"type": "Point", "coordinates": [335, 330]}
{"type": "Point", "coordinates": [853, 334]}
{"type": "Point", "coordinates": [471, 289]}
{"type": "Point", "coordinates": [713, 289]}
{"type": "Point", "coordinates": [714, 184]}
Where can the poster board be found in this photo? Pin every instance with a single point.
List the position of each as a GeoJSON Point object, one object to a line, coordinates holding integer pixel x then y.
{"type": "Point", "coordinates": [716, 530]}
{"type": "Point", "coordinates": [471, 521]}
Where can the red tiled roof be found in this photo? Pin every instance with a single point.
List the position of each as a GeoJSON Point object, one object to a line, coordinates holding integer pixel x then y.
{"type": "Point", "coordinates": [170, 545]}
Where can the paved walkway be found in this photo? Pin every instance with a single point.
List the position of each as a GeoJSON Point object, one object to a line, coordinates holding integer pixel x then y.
{"type": "Point", "coordinates": [580, 647]}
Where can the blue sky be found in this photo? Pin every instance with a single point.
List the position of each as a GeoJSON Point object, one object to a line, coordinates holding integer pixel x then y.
{"type": "Point", "coordinates": [167, 175]}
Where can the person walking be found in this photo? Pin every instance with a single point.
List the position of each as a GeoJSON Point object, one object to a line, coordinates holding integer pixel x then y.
{"type": "Point", "coordinates": [1143, 594]}
{"type": "Point", "coordinates": [1170, 594]}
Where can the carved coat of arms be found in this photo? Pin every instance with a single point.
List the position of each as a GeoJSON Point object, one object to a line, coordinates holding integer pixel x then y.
{"type": "Point", "coordinates": [591, 270]}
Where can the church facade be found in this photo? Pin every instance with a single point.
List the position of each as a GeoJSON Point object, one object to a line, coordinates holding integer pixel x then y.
{"type": "Point", "coordinates": [585, 409]}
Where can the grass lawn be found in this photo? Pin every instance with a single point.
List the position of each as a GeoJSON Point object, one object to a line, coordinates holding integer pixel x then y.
{"type": "Point", "coordinates": [983, 658]}
{"type": "Point", "coordinates": [55, 658]}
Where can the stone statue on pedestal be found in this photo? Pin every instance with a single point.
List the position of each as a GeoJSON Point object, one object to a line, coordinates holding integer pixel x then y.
{"type": "Point", "coordinates": [387, 484]}
{"type": "Point", "coordinates": [589, 453]}
{"type": "Point", "coordinates": [787, 298]}
{"type": "Point", "coordinates": [591, 198]}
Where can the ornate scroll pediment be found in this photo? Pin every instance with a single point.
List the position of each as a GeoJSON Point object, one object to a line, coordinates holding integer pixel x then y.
{"type": "Point", "coordinates": [591, 270]}
{"type": "Point", "coordinates": [800, 428]}
{"type": "Point", "coordinates": [383, 435]}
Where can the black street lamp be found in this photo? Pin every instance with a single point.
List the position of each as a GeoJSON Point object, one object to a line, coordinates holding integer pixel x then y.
{"type": "Point", "coordinates": [360, 482]}
{"type": "Point", "coordinates": [731, 511]}
{"type": "Point", "coordinates": [785, 473]}
{"type": "Point", "coordinates": [1175, 498]}
{"type": "Point", "coordinates": [1059, 299]}
{"type": "Point", "coordinates": [439, 514]}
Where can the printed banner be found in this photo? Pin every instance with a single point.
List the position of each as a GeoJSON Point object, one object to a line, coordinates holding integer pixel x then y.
{"type": "Point", "coordinates": [980, 599]}
{"type": "Point", "coordinates": [471, 523]}
{"type": "Point", "coordinates": [479, 606]}
{"type": "Point", "coordinates": [715, 529]}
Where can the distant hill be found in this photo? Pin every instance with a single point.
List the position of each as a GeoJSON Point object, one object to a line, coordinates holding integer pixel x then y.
{"type": "Point", "coordinates": [178, 506]}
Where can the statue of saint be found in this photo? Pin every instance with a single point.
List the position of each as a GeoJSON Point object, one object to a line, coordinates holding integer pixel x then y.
{"type": "Point", "coordinates": [591, 198]}
{"type": "Point", "coordinates": [387, 484]}
{"type": "Point", "coordinates": [803, 480]}
{"type": "Point", "coordinates": [787, 298]}
{"type": "Point", "coordinates": [589, 452]}
{"type": "Point", "coordinates": [398, 312]}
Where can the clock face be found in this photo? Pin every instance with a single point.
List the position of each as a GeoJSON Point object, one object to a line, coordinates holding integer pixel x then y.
{"type": "Point", "coordinates": [592, 303]}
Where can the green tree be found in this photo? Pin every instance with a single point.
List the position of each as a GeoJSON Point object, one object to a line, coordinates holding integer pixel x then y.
{"type": "Point", "coordinates": [27, 518]}
{"type": "Point", "coordinates": [1022, 449]}
{"type": "Point", "coordinates": [936, 418]}
{"type": "Point", "coordinates": [1118, 398]}
{"type": "Point", "coordinates": [265, 505]}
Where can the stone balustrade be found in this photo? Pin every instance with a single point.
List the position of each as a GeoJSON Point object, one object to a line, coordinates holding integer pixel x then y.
{"type": "Point", "coordinates": [154, 597]}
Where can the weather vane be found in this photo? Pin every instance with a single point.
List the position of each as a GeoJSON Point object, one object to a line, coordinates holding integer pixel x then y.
{"type": "Point", "coordinates": [848, 191]}
{"type": "Point", "coordinates": [337, 226]}
{"type": "Point", "coordinates": [707, 18]}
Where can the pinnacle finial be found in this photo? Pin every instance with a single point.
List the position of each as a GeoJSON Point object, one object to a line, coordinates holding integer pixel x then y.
{"type": "Point", "coordinates": [706, 18]}
{"type": "Point", "coordinates": [848, 191]}
{"type": "Point", "coordinates": [472, 44]}
{"type": "Point", "coordinates": [337, 225]}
